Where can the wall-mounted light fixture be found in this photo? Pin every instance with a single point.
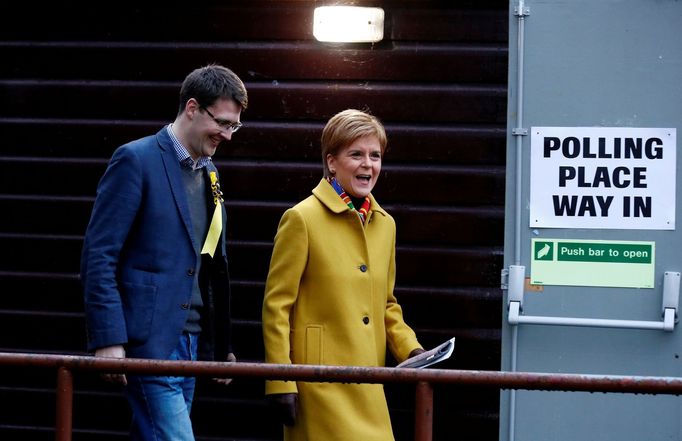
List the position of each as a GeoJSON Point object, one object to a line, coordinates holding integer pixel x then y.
{"type": "Point", "coordinates": [348, 24]}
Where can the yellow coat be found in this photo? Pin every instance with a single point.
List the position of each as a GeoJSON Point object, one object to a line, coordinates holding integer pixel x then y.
{"type": "Point", "coordinates": [329, 300]}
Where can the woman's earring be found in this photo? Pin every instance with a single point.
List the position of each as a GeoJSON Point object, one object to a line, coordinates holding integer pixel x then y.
{"type": "Point", "coordinates": [332, 171]}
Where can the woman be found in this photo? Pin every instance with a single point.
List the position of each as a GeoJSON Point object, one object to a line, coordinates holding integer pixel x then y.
{"type": "Point", "coordinates": [329, 294]}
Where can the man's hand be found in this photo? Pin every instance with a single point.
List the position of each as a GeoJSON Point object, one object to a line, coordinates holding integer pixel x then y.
{"type": "Point", "coordinates": [285, 406]}
{"type": "Point", "coordinates": [116, 351]}
{"type": "Point", "coordinates": [225, 381]}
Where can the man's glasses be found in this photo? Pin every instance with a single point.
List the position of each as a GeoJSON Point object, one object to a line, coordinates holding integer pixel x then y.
{"type": "Point", "coordinates": [223, 123]}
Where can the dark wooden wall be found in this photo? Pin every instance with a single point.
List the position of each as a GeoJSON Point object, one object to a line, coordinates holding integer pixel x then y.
{"type": "Point", "coordinates": [77, 81]}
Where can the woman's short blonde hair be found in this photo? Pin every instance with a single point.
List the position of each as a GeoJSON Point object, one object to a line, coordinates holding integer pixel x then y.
{"type": "Point", "coordinates": [346, 127]}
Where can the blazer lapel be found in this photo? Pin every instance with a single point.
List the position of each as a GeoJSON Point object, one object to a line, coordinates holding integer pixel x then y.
{"type": "Point", "coordinates": [172, 167]}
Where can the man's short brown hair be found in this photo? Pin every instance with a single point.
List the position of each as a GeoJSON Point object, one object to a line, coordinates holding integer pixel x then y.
{"type": "Point", "coordinates": [209, 83]}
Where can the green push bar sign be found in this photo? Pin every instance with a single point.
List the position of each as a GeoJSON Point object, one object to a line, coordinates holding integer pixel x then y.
{"type": "Point", "coordinates": [592, 263]}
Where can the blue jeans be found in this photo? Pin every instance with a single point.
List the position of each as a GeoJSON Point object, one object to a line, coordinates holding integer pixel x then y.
{"type": "Point", "coordinates": [161, 405]}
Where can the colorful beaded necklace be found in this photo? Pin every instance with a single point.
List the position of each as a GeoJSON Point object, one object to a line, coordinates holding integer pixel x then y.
{"type": "Point", "coordinates": [362, 212]}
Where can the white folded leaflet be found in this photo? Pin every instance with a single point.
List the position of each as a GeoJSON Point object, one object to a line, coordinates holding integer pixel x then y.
{"type": "Point", "coordinates": [435, 355]}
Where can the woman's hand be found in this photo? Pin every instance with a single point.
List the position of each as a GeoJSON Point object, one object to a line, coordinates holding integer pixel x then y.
{"type": "Point", "coordinates": [285, 406]}
{"type": "Point", "coordinates": [416, 352]}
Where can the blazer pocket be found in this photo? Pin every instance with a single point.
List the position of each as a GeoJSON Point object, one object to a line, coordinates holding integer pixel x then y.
{"type": "Point", "coordinates": [313, 344]}
{"type": "Point", "coordinates": [139, 304]}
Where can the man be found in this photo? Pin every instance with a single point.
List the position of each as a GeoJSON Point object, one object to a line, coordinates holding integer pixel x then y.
{"type": "Point", "coordinates": [154, 266]}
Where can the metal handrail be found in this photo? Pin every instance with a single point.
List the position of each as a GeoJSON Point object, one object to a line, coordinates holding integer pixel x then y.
{"type": "Point", "coordinates": [424, 378]}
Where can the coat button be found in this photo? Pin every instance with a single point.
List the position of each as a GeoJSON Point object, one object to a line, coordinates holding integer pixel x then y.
{"type": "Point", "coordinates": [363, 268]}
{"type": "Point", "coordinates": [185, 306]}
{"type": "Point", "coordinates": [190, 272]}
{"type": "Point", "coordinates": [365, 320]}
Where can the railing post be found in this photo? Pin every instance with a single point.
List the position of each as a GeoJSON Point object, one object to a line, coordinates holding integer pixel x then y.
{"type": "Point", "coordinates": [423, 422]}
{"type": "Point", "coordinates": [63, 425]}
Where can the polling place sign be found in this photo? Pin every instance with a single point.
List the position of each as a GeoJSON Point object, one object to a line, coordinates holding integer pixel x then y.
{"type": "Point", "coordinates": [603, 177]}
{"type": "Point", "coordinates": [592, 263]}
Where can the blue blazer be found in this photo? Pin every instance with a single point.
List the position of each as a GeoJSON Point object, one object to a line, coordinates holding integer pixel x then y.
{"type": "Point", "coordinates": [139, 260]}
